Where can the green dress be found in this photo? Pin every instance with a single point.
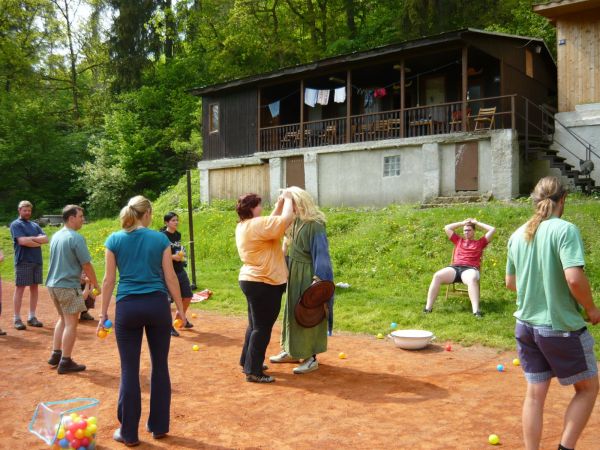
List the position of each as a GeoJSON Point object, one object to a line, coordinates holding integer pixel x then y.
{"type": "Point", "coordinates": [308, 256]}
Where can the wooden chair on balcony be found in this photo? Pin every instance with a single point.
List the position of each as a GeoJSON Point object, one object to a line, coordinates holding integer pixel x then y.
{"type": "Point", "coordinates": [290, 139]}
{"type": "Point", "coordinates": [329, 135]}
{"type": "Point", "coordinates": [456, 120]}
{"type": "Point", "coordinates": [485, 119]}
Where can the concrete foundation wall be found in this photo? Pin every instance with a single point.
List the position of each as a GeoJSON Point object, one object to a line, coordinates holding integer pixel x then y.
{"type": "Point", "coordinates": [353, 174]}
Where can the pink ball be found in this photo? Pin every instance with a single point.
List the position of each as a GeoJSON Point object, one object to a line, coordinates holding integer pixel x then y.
{"type": "Point", "coordinates": [82, 424]}
{"type": "Point", "coordinates": [85, 442]}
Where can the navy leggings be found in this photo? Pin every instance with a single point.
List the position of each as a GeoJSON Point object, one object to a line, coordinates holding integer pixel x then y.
{"type": "Point", "coordinates": [134, 314]}
{"type": "Point", "coordinates": [264, 303]}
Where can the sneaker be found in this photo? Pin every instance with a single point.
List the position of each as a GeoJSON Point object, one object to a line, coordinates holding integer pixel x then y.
{"type": "Point", "coordinates": [55, 358]}
{"type": "Point", "coordinates": [117, 437]}
{"type": "Point", "coordinates": [68, 366]}
{"type": "Point", "coordinates": [19, 325]}
{"type": "Point", "coordinates": [427, 311]}
{"type": "Point", "coordinates": [259, 378]}
{"type": "Point", "coordinates": [86, 316]}
{"type": "Point", "coordinates": [478, 314]}
{"type": "Point", "coordinates": [283, 357]}
{"type": "Point", "coordinates": [174, 332]}
{"type": "Point", "coordinates": [2, 333]}
{"type": "Point", "coordinates": [307, 366]}
{"type": "Point", "coordinates": [188, 324]}
{"type": "Point", "coordinates": [33, 322]}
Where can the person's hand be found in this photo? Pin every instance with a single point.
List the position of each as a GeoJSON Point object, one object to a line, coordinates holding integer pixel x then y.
{"type": "Point", "coordinates": [287, 195]}
{"type": "Point", "coordinates": [593, 315]}
{"type": "Point", "coordinates": [474, 222]}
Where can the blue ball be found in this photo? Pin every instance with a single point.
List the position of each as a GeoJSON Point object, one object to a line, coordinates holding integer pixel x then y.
{"type": "Point", "coordinates": [393, 325]}
{"type": "Point", "coordinates": [500, 368]}
{"type": "Point", "coordinates": [108, 323]}
{"type": "Point", "coordinates": [64, 443]}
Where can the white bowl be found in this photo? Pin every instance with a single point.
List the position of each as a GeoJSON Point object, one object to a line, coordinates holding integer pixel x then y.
{"type": "Point", "coordinates": [412, 339]}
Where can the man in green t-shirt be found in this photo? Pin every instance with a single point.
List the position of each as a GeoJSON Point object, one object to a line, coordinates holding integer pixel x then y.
{"type": "Point", "coordinates": [545, 267]}
{"type": "Point", "coordinates": [68, 256]}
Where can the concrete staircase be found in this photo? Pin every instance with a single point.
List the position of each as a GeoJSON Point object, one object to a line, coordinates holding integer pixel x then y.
{"type": "Point", "coordinates": [459, 198]}
{"type": "Point", "coordinates": [539, 150]}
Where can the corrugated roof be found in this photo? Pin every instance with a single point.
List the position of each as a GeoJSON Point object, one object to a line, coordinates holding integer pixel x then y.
{"type": "Point", "coordinates": [354, 57]}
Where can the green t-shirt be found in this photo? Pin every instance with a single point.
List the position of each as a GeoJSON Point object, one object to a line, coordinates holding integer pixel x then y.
{"type": "Point", "coordinates": [68, 252]}
{"type": "Point", "coordinates": [543, 296]}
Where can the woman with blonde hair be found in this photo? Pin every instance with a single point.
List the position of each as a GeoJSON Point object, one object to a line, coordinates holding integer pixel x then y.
{"type": "Point", "coordinates": [308, 262]}
{"type": "Point", "coordinates": [143, 258]}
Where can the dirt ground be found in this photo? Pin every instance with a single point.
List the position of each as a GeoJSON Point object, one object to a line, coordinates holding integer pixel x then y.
{"type": "Point", "coordinates": [379, 397]}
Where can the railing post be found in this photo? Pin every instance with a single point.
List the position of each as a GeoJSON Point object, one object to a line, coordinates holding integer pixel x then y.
{"type": "Point", "coordinates": [513, 119]}
{"type": "Point", "coordinates": [301, 130]}
{"type": "Point", "coordinates": [526, 130]}
{"type": "Point", "coordinates": [348, 105]}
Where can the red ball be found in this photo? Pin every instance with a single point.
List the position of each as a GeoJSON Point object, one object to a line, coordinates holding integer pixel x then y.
{"type": "Point", "coordinates": [82, 424]}
{"type": "Point", "coordinates": [75, 443]}
{"type": "Point", "coordinates": [70, 435]}
{"type": "Point", "coordinates": [448, 347]}
{"type": "Point", "coordinates": [85, 442]}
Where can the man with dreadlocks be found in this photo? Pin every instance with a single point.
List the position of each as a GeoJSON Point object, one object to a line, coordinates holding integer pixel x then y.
{"type": "Point", "coordinates": [545, 267]}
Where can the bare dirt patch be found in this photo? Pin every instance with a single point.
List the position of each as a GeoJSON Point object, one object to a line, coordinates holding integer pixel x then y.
{"type": "Point", "coordinates": [379, 397]}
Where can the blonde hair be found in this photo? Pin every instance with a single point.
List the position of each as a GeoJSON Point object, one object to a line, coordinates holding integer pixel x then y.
{"type": "Point", "coordinates": [306, 209]}
{"type": "Point", "coordinates": [25, 204]}
{"type": "Point", "coordinates": [546, 195]}
{"type": "Point", "coordinates": [134, 211]}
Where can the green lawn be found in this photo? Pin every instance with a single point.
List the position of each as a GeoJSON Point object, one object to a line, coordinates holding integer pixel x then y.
{"type": "Point", "coordinates": [387, 255]}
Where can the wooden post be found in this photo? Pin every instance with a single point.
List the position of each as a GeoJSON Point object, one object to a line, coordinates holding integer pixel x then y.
{"type": "Point", "coordinates": [301, 130]}
{"type": "Point", "coordinates": [402, 97]}
{"type": "Point", "coordinates": [348, 105]}
{"type": "Point", "coordinates": [465, 79]}
{"type": "Point", "coordinates": [191, 226]}
{"type": "Point", "coordinates": [258, 121]}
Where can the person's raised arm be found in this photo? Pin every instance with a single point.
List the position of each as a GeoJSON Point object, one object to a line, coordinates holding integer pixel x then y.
{"type": "Point", "coordinates": [172, 282]}
{"type": "Point", "coordinates": [278, 207]}
{"type": "Point", "coordinates": [449, 229]}
{"type": "Point", "coordinates": [489, 230]}
{"type": "Point", "coordinates": [580, 289]}
{"type": "Point", "coordinates": [287, 210]}
{"type": "Point", "coordinates": [108, 285]}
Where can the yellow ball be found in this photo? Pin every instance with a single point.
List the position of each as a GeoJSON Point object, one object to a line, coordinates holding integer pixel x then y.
{"type": "Point", "coordinates": [494, 439]}
{"type": "Point", "coordinates": [516, 362]}
{"type": "Point", "coordinates": [93, 420]}
{"type": "Point", "coordinates": [95, 291]}
{"type": "Point", "coordinates": [195, 348]}
{"type": "Point", "coordinates": [379, 336]}
{"type": "Point", "coordinates": [194, 315]}
{"type": "Point", "coordinates": [342, 355]}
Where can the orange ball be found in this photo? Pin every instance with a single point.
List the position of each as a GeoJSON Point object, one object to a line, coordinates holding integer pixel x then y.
{"type": "Point", "coordinates": [102, 334]}
{"type": "Point", "coordinates": [178, 323]}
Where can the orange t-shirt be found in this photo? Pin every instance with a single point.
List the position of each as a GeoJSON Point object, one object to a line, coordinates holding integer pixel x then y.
{"type": "Point", "coordinates": [258, 242]}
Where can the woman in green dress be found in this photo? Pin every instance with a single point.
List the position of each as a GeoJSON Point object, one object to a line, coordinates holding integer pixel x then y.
{"type": "Point", "coordinates": [308, 261]}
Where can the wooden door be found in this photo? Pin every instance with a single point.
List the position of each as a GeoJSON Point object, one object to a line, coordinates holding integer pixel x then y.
{"type": "Point", "coordinates": [466, 177]}
{"type": "Point", "coordinates": [294, 171]}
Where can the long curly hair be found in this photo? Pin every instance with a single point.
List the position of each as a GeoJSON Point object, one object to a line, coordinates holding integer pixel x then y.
{"type": "Point", "coordinates": [306, 208]}
{"type": "Point", "coordinates": [546, 195]}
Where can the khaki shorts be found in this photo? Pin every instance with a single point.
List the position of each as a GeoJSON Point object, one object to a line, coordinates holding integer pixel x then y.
{"type": "Point", "coordinates": [67, 300]}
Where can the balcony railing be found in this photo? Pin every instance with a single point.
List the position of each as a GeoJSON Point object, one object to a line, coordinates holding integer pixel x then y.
{"type": "Point", "coordinates": [427, 120]}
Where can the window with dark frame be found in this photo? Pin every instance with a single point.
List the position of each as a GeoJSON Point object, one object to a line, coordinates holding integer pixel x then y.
{"type": "Point", "coordinates": [213, 118]}
{"type": "Point", "coordinates": [391, 166]}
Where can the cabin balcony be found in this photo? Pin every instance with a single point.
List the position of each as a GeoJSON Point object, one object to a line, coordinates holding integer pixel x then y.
{"type": "Point", "coordinates": [441, 118]}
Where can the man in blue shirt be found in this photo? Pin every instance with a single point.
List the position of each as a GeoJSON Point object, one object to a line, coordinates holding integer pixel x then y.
{"type": "Point", "coordinates": [68, 256]}
{"type": "Point", "coordinates": [27, 238]}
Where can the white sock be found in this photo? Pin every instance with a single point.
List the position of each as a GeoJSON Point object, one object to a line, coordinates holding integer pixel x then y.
{"type": "Point", "coordinates": [17, 317]}
{"type": "Point", "coordinates": [31, 315]}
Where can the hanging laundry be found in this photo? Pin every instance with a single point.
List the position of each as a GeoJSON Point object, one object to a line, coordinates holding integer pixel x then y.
{"type": "Point", "coordinates": [369, 100]}
{"type": "Point", "coordinates": [380, 92]}
{"type": "Point", "coordinates": [339, 95]}
{"type": "Point", "coordinates": [274, 108]}
{"type": "Point", "coordinates": [310, 96]}
{"type": "Point", "coordinates": [323, 97]}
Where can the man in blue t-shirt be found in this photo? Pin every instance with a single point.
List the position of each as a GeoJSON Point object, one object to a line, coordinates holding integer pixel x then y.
{"type": "Point", "coordinates": [69, 255]}
{"type": "Point", "coordinates": [545, 267]}
{"type": "Point", "coordinates": [27, 238]}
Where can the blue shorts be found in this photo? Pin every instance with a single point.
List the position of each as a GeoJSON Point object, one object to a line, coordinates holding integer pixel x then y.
{"type": "Point", "coordinates": [545, 353]}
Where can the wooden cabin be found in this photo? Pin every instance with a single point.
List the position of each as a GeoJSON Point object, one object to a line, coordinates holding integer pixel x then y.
{"type": "Point", "coordinates": [457, 87]}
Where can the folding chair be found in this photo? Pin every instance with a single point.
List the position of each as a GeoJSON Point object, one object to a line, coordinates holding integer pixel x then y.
{"type": "Point", "coordinates": [458, 290]}
{"type": "Point", "coordinates": [485, 119]}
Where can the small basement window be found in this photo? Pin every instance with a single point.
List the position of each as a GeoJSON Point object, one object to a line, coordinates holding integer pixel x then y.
{"type": "Point", "coordinates": [213, 118]}
{"type": "Point", "coordinates": [391, 166]}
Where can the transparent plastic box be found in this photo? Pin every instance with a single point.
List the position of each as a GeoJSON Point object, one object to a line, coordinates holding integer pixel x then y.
{"type": "Point", "coordinates": [67, 424]}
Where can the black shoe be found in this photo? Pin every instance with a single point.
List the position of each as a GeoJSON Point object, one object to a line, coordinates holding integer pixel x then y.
{"type": "Point", "coordinates": [55, 358]}
{"type": "Point", "coordinates": [174, 332]}
{"type": "Point", "coordinates": [188, 324]}
{"type": "Point", "coordinates": [427, 311]}
{"type": "Point", "coordinates": [33, 322]}
{"type": "Point", "coordinates": [19, 325]}
{"type": "Point", "coordinates": [117, 437]}
{"type": "Point", "coordinates": [68, 366]}
{"type": "Point", "coordinates": [478, 314]}
{"type": "Point", "coordinates": [86, 316]}
{"type": "Point", "coordinates": [259, 378]}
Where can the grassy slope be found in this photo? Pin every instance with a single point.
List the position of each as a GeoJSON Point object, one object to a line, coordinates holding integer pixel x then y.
{"type": "Point", "coordinates": [387, 255]}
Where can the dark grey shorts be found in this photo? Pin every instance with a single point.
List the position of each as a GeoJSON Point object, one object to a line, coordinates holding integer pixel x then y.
{"type": "Point", "coordinates": [545, 353]}
{"type": "Point", "coordinates": [184, 284]}
{"type": "Point", "coordinates": [27, 274]}
{"type": "Point", "coordinates": [459, 271]}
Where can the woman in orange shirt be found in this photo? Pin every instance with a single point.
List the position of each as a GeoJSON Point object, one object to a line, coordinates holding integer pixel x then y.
{"type": "Point", "coordinates": [263, 275]}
